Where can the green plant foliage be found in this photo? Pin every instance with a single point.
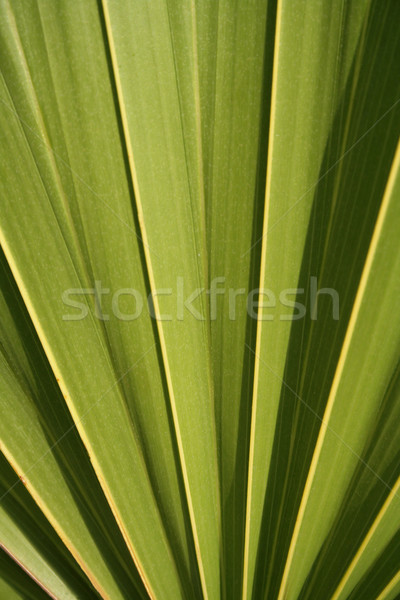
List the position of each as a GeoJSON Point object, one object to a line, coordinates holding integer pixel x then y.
{"type": "Point", "coordinates": [200, 273]}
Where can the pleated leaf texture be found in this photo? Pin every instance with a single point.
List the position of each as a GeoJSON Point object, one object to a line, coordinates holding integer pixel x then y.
{"type": "Point", "coordinates": [200, 317]}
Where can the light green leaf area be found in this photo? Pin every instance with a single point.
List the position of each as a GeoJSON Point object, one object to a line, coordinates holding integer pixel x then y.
{"type": "Point", "coordinates": [382, 576]}
{"type": "Point", "coordinates": [392, 590]}
{"type": "Point", "coordinates": [341, 223]}
{"type": "Point", "coordinates": [20, 548]}
{"type": "Point", "coordinates": [199, 275]}
{"type": "Point", "coordinates": [379, 536]}
{"type": "Point", "coordinates": [235, 41]}
{"type": "Point", "coordinates": [78, 188]}
{"type": "Point", "coordinates": [23, 356]}
{"type": "Point", "coordinates": [38, 469]}
{"type": "Point", "coordinates": [158, 93]}
{"type": "Point", "coordinates": [8, 591]}
{"type": "Point", "coordinates": [29, 539]}
{"type": "Point", "coordinates": [314, 51]}
{"type": "Point", "coordinates": [380, 475]}
{"type": "Point", "coordinates": [371, 346]}
{"type": "Point", "coordinates": [16, 584]}
{"type": "Point", "coordinates": [365, 526]}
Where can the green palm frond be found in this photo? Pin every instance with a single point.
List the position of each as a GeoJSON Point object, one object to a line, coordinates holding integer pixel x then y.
{"type": "Point", "coordinates": [200, 326]}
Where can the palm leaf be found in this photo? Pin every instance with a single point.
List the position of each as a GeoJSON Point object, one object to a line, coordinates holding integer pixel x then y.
{"type": "Point", "coordinates": [200, 338]}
